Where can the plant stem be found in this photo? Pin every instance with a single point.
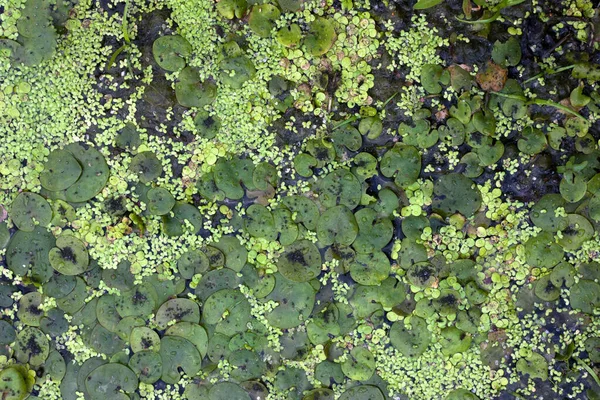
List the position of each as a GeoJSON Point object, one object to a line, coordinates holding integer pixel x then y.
{"type": "Point", "coordinates": [551, 72]}
{"type": "Point", "coordinates": [125, 26]}
{"type": "Point", "coordinates": [588, 369]}
{"type": "Point", "coordinates": [541, 102]}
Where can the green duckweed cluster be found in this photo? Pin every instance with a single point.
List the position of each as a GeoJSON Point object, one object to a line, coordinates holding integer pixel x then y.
{"type": "Point", "coordinates": [299, 199]}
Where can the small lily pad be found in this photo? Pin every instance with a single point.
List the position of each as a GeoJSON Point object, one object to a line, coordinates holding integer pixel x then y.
{"type": "Point", "coordinates": [360, 364]}
{"type": "Point", "coordinates": [29, 210]}
{"type": "Point", "coordinates": [147, 365]}
{"type": "Point", "coordinates": [227, 391]}
{"type": "Point", "coordinates": [178, 309]}
{"type": "Point", "coordinates": [178, 353]}
{"type": "Point", "coordinates": [362, 392]}
{"type": "Point", "coordinates": [543, 213]}
{"type": "Point", "coordinates": [403, 163]}
{"type": "Point", "coordinates": [535, 365]}
{"type": "Point", "coordinates": [60, 171]}
{"type": "Point", "coordinates": [192, 332]}
{"type": "Point", "coordinates": [237, 70]}
{"type": "Point", "coordinates": [577, 231]}
{"type": "Point", "coordinates": [321, 37]}
{"type": "Point", "coordinates": [337, 225]}
{"type": "Point", "coordinates": [304, 210]}
{"type": "Point", "coordinates": [507, 54]}
{"type": "Point", "coordinates": [410, 340]}
{"type": "Point", "coordinates": [160, 201]}
{"type": "Point", "coordinates": [289, 36]}
{"type": "Point", "coordinates": [260, 223]}
{"type": "Point", "coordinates": [228, 310]}
{"type": "Point", "coordinates": [138, 301]}
{"type": "Point", "coordinates": [296, 301]}
{"type": "Point", "coordinates": [370, 269]}
{"type": "Point", "coordinates": [94, 173]}
{"type": "Point", "coordinates": [32, 346]}
{"type": "Point", "coordinates": [262, 19]}
{"type": "Point", "coordinates": [191, 91]}
{"type": "Point", "coordinates": [300, 261]}
{"type": "Point", "coordinates": [456, 193]}
{"type": "Point", "coordinates": [111, 379]}
{"type": "Point", "coordinates": [143, 338]}
{"type": "Point", "coordinates": [28, 251]}
{"type": "Point", "coordinates": [170, 52]}
{"type": "Point", "coordinates": [146, 166]}
{"type": "Point", "coordinates": [69, 257]}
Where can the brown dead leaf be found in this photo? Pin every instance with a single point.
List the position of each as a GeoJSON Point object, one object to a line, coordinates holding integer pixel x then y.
{"type": "Point", "coordinates": [493, 77]}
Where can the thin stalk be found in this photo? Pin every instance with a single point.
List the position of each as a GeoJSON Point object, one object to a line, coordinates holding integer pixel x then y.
{"type": "Point", "coordinates": [125, 25]}
{"type": "Point", "coordinates": [588, 369]}
{"type": "Point", "coordinates": [551, 72]}
{"type": "Point", "coordinates": [114, 56]}
{"type": "Point", "coordinates": [540, 102]}
{"type": "Point", "coordinates": [346, 122]}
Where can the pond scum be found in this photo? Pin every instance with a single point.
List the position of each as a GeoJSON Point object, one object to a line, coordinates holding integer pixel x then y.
{"type": "Point", "coordinates": [299, 199]}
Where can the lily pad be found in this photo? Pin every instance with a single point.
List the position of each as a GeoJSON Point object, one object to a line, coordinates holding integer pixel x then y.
{"type": "Point", "coordinates": [337, 225]}
{"type": "Point", "coordinates": [456, 193]}
{"type": "Point", "coordinates": [360, 364]}
{"type": "Point", "coordinates": [339, 187]}
{"type": "Point", "coordinates": [94, 173]}
{"type": "Point", "coordinates": [192, 332]}
{"type": "Point", "coordinates": [111, 379]}
{"type": "Point", "coordinates": [362, 392]}
{"type": "Point", "coordinates": [227, 391]}
{"type": "Point", "coordinates": [143, 338]}
{"type": "Point", "coordinates": [260, 223]}
{"type": "Point", "coordinates": [28, 251]}
{"type": "Point", "coordinates": [29, 210]}
{"type": "Point", "coordinates": [370, 269]}
{"type": "Point", "coordinates": [228, 310]}
{"type": "Point", "coordinates": [543, 213]}
{"type": "Point", "coordinates": [170, 52]}
{"type": "Point", "coordinates": [304, 210]}
{"type": "Point", "coordinates": [160, 201]}
{"type": "Point", "coordinates": [296, 301]}
{"type": "Point", "coordinates": [146, 166]}
{"type": "Point", "coordinates": [300, 261]}
{"type": "Point", "coordinates": [403, 163]}
{"type": "Point", "coordinates": [61, 170]}
{"type": "Point", "coordinates": [410, 340]}
{"type": "Point", "coordinates": [69, 257]}
{"type": "Point", "coordinates": [321, 37]}
{"type": "Point", "coordinates": [178, 353]}
{"type": "Point", "coordinates": [262, 19]}
{"type": "Point", "coordinates": [138, 301]}
{"type": "Point", "coordinates": [147, 365]}
{"type": "Point", "coordinates": [32, 346]}
{"type": "Point", "coordinates": [535, 365]}
{"type": "Point", "coordinates": [178, 309]}
{"type": "Point", "coordinates": [191, 91]}
{"type": "Point", "coordinates": [577, 231]}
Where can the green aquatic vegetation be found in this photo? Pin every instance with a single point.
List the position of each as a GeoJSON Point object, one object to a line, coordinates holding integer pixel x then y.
{"type": "Point", "coordinates": [256, 233]}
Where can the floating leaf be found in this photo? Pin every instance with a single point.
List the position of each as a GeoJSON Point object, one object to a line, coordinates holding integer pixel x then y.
{"type": "Point", "coordinates": [28, 251]}
{"type": "Point", "coordinates": [300, 261]}
{"type": "Point", "coordinates": [160, 201]}
{"type": "Point", "coordinates": [360, 364]}
{"type": "Point", "coordinates": [110, 379]}
{"type": "Point", "coordinates": [60, 171]}
{"type": "Point", "coordinates": [507, 54]}
{"type": "Point", "coordinates": [337, 225]}
{"type": "Point", "coordinates": [362, 392]}
{"type": "Point", "coordinates": [170, 52]}
{"type": "Point", "coordinates": [228, 310]}
{"type": "Point", "coordinates": [456, 193]}
{"type": "Point", "coordinates": [70, 256]}
{"type": "Point", "coordinates": [191, 91]}
{"type": "Point", "coordinates": [262, 19]}
{"type": "Point", "coordinates": [410, 340]}
{"type": "Point", "coordinates": [178, 353]}
{"type": "Point", "coordinates": [535, 365]}
{"type": "Point", "coordinates": [147, 365]}
{"type": "Point", "coordinates": [321, 37]}
{"type": "Point", "coordinates": [370, 269]}
{"type": "Point", "coordinates": [403, 163]}
{"type": "Point", "coordinates": [30, 209]}
{"type": "Point", "coordinates": [146, 167]}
